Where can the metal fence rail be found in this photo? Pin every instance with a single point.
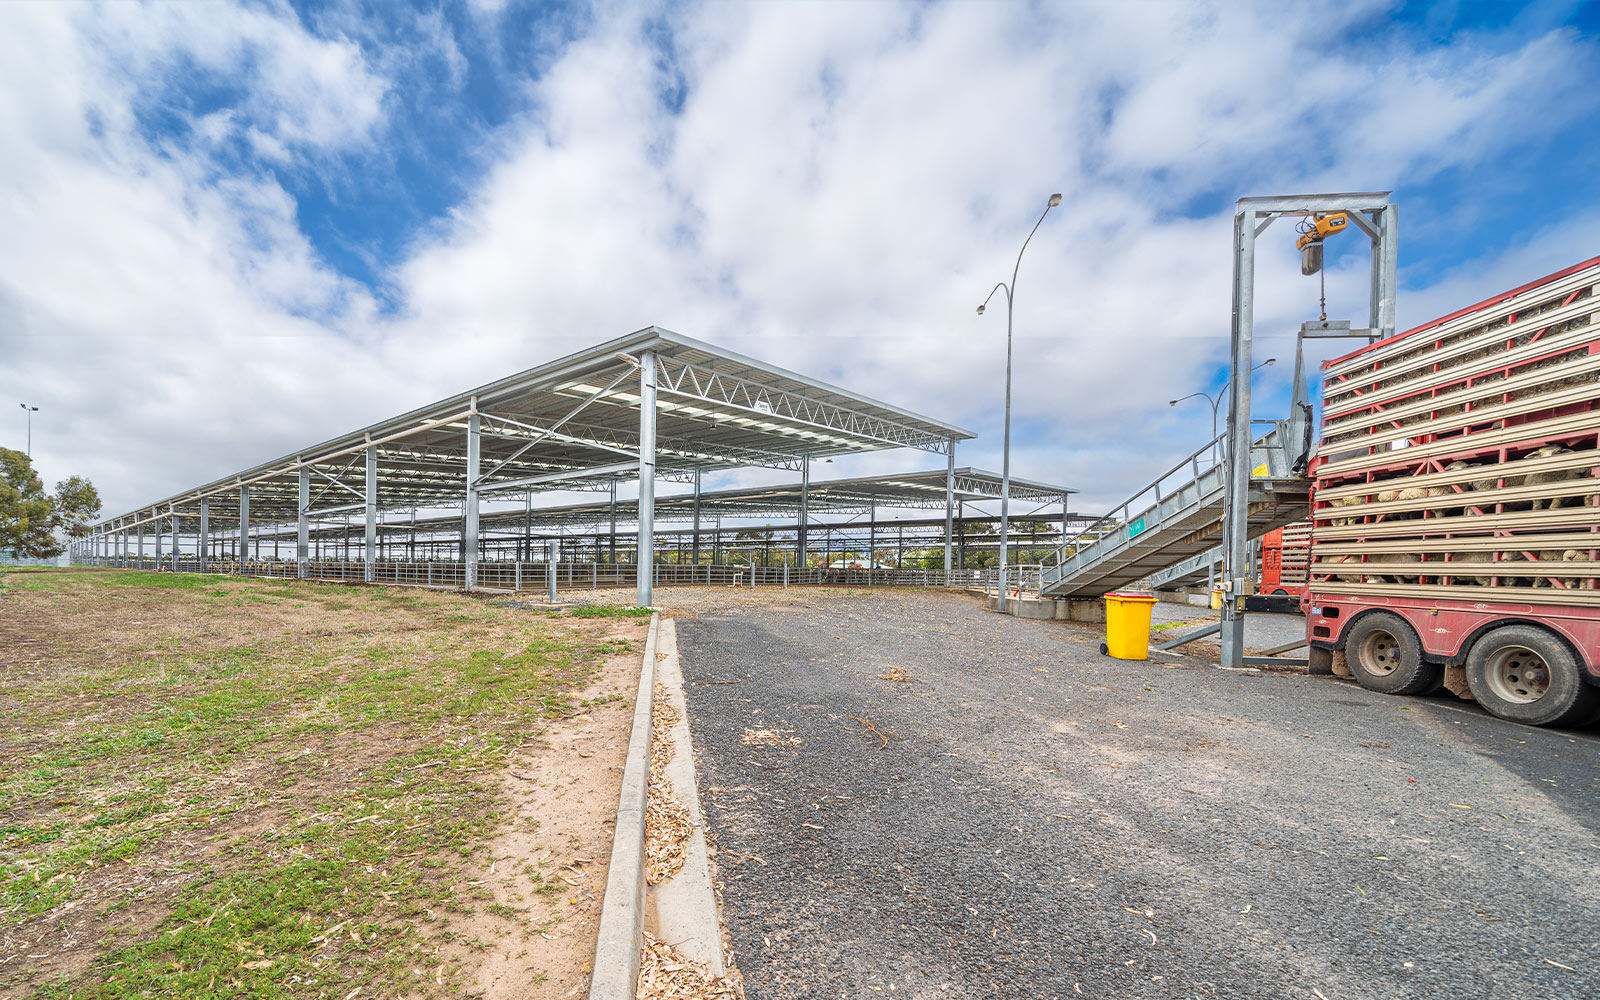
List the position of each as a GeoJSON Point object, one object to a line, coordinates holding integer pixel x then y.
{"type": "Point", "coordinates": [510, 575]}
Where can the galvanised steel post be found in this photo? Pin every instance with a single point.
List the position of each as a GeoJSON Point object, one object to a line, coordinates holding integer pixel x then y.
{"type": "Point", "coordinates": [949, 507]}
{"type": "Point", "coordinates": [370, 555]}
{"type": "Point", "coordinates": [205, 533]}
{"type": "Point", "coordinates": [302, 551]}
{"type": "Point", "coordinates": [613, 556]}
{"type": "Point", "coordinates": [805, 511]}
{"type": "Point", "coordinates": [469, 534]}
{"type": "Point", "coordinates": [155, 528]}
{"type": "Point", "coordinates": [244, 526]}
{"type": "Point", "coordinates": [695, 549]}
{"type": "Point", "coordinates": [645, 557]}
{"type": "Point", "coordinates": [141, 544]}
{"type": "Point", "coordinates": [1005, 462]}
{"type": "Point", "coordinates": [1236, 500]}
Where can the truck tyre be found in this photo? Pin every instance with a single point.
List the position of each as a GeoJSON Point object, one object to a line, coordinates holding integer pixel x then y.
{"type": "Point", "coordinates": [1527, 675]}
{"type": "Point", "coordinates": [1385, 655]}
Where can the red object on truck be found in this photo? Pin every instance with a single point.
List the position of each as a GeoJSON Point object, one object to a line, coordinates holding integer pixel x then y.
{"type": "Point", "coordinates": [1285, 560]}
{"type": "Point", "coordinates": [1456, 506]}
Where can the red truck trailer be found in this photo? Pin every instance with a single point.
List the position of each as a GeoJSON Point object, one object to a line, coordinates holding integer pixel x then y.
{"type": "Point", "coordinates": [1456, 506]}
{"type": "Point", "coordinates": [1285, 559]}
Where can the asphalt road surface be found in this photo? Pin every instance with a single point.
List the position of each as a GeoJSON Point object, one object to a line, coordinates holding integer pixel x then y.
{"type": "Point", "coordinates": [1027, 818]}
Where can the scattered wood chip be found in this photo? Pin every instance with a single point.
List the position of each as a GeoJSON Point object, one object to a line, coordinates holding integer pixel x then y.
{"type": "Point", "coordinates": [667, 974]}
{"type": "Point", "coordinates": [898, 674]}
{"type": "Point", "coordinates": [666, 819]}
{"type": "Point", "coordinates": [769, 738]}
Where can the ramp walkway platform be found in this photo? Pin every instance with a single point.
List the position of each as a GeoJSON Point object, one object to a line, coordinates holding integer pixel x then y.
{"type": "Point", "coordinates": [1177, 519]}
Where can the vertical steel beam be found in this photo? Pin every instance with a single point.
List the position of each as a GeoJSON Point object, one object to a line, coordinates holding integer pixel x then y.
{"type": "Point", "coordinates": [302, 547]}
{"type": "Point", "coordinates": [647, 477]}
{"type": "Point", "coordinates": [469, 532]}
{"type": "Point", "coordinates": [1385, 259]}
{"type": "Point", "coordinates": [141, 545]}
{"type": "Point", "coordinates": [949, 506]}
{"type": "Point", "coordinates": [244, 526]}
{"type": "Point", "coordinates": [155, 527]}
{"type": "Point", "coordinates": [1236, 498]}
{"type": "Point", "coordinates": [613, 557]}
{"type": "Point", "coordinates": [805, 511]}
{"type": "Point", "coordinates": [370, 551]}
{"type": "Point", "coordinates": [695, 549]}
{"type": "Point", "coordinates": [205, 533]}
{"type": "Point", "coordinates": [525, 550]}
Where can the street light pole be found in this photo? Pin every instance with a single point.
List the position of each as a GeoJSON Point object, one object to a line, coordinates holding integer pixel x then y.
{"type": "Point", "coordinates": [30, 411]}
{"type": "Point", "coordinates": [1215, 404]}
{"type": "Point", "coordinates": [1005, 462]}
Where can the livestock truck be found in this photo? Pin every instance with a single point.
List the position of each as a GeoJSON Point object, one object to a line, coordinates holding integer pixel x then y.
{"type": "Point", "coordinates": [1456, 507]}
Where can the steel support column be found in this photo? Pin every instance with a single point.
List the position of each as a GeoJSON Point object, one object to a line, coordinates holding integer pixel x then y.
{"type": "Point", "coordinates": [949, 508]}
{"type": "Point", "coordinates": [469, 530]}
{"type": "Point", "coordinates": [205, 533]}
{"type": "Point", "coordinates": [805, 511]}
{"type": "Point", "coordinates": [370, 553]}
{"type": "Point", "coordinates": [302, 548]}
{"type": "Point", "coordinates": [695, 548]}
{"type": "Point", "coordinates": [647, 477]}
{"type": "Point", "coordinates": [141, 545]}
{"type": "Point", "coordinates": [613, 543]}
{"type": "Point", "coordinates": [1236, 501]}
{"type": "Point", "coordinates": [244, 525]}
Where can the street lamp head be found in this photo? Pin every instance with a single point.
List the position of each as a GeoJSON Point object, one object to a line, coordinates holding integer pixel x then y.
{"type": "Point", "coordinates": [980, 310]}
{"type": "Point", "coordinates": [1055, 200]}
{"type": "Point", "coordinates": [1269, 361]}
{"type": "Point", "coordinates": [1172, 402]}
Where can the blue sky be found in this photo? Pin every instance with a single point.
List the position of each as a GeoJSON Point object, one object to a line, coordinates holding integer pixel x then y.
{"type": "Point", "coordinates": [335, 211]}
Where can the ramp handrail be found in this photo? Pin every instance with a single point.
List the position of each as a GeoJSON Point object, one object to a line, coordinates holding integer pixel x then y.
{"type": "Point", "coordinates": [1120, 515]}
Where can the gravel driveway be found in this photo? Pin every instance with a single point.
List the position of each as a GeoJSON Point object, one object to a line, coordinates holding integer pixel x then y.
{"type": "Point", "coordinates": [1029, 819]}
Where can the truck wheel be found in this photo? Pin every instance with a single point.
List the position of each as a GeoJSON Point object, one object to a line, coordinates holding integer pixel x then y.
{"type": "Point", "coordinates": [1527, 675]}
{"type": "Point", "coordinates": [1385, 655]}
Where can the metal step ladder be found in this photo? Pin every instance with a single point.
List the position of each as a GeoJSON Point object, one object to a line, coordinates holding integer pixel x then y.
{"type": "Point", "coordinates": [1178, 517]}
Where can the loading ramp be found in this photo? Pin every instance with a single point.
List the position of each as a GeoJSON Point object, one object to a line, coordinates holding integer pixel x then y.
{"type": "Point", "coordinates": [1177, 519]}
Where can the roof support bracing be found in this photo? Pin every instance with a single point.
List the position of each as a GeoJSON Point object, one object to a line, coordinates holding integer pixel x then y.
{"type": "Point", "coordinates": [565, 425]}
{"type": "Point", "coordinates": [762, 404]}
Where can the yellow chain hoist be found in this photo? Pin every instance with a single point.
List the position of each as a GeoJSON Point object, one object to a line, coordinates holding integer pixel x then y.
{"type": "Point", "coordinates": [1312, 232]}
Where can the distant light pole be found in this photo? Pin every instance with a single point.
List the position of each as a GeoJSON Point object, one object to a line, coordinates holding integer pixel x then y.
{"type": "Point", "coordinates": [1210, 570]}
{"type": "Point", "coordinates": [1005, 469]}
{"type": "Point", "coordinates": [30, 411]}
{"type": "Point", "coordinates": [1215, 403]}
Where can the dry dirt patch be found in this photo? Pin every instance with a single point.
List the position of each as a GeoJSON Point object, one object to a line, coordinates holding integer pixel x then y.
{"type": "Point", "coordinates": [215, 787]}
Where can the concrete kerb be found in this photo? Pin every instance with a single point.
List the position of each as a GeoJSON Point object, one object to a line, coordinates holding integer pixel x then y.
{"type": "Point", "coordinates": [621, 934]}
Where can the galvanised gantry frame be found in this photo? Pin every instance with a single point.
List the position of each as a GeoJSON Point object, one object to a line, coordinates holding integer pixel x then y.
{"type": "Point", "coordinates": [653, 404]}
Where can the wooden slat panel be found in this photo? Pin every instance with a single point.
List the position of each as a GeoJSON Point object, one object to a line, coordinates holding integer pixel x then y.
{"type": "Point", "coordinates": [1587, 459]}
{"type": "Point", "coordinates": [1361, 419]}
{"type": "Point", "coordinates": [1490, 543]}
{"type": "Point", "coordinates": [1563, 489]}
{"type": "Point", "coordinates": [1430, 591]}
{"type": "Point", "coordinates": [1471, 524]}
{"type": "Point", "coordinates": [1340, 396]}
{"type": "Point", "coordinates": [1462, 324]}
{"type": "Point", "coordinates": [1578, 424]}
{"type": "Point", "coordinates": [1484, 415]}
{"type": "Point", "coordinates": [1515, 567]}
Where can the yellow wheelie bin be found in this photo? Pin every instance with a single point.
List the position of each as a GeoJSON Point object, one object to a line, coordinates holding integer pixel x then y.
{"type": "Point", "coordinates": [1128, 626]}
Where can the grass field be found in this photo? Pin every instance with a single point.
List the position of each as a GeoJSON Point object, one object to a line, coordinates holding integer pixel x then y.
{"type": "Point", "coordinates": [217, 788]}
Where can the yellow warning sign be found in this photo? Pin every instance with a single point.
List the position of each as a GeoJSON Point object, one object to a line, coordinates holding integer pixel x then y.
{"type": "Point", "coordinates": [1259, 472]}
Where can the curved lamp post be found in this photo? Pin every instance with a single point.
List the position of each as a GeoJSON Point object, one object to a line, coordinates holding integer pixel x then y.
{"type": "Point", "coordinates": [1005, 468]}
{"type": "Point", "coordinates": [30, 411]}
{"type": "Point", "coordinates": [1215, 403]}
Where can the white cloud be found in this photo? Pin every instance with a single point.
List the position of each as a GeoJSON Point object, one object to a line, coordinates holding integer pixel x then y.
{"type": "Point", "coordinates": [842, 187]}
